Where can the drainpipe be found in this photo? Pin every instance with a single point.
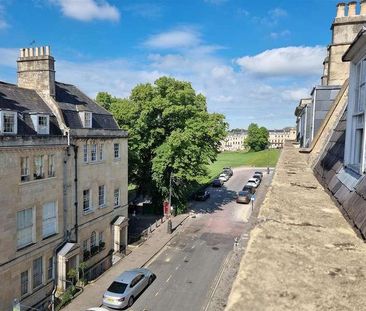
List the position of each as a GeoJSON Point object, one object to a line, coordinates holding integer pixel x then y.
{"type": "Point", "coordinates": [76, 190]}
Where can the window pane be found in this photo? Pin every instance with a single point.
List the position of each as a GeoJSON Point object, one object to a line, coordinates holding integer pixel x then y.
{"type": "Point", "coordinates": [50, 268]}
{"type": "Point", "coordinates": [38, 167]}
{"type": "Point", "coordinates": [51, 165]}
{"type": "Point", "coordinates": [116, 151]}
{"type": "Point", "coordinates": [24, 283]}
{"type": "Point", "coordinates": [86, 200]}
{"type": "Point", "coordinates": [24, 168]}
{"type": "Point", "coordinates": [49, 225]}
{"type": "Point", "coordinates": [85, 153]}
{"type": "Point", "coordinates": [9, 123]}
{"type": "Point", "coordinates": [37, 272]}
{"type": "Point", "coordinates": [101, 155]}
{"type": "Point", "coordinates": [93, 152]}
{"type": "Point", "coordinates": [24, 227]}
{"type": "Point", "coordinates": [101, 195]}
{"type": "Point", "coordinates": [116, 197]}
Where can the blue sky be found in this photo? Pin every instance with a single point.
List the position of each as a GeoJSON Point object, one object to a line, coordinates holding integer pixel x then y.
{"type": "Point", "coordinates": [253, 60]}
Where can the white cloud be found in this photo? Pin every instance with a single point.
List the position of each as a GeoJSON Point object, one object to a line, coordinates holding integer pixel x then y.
{"type": "Point", "coordinates": [87, 10]}
{"type": "Point", "coordinates": [288, 61]}
{"type": "Point", "coordinates": [3, 23]}
{"type": "Point", "coordinates": [242, 97]}
{"type": "Point", "coordinates": [280, 34]}
{"type": "Point", "coordinates": [146, 10]}
{"type": "Point", "coordinates": [180, 38]}
{"type": "Point", "coordinates": [277, 12]}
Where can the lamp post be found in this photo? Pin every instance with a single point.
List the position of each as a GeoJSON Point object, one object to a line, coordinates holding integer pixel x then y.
{"type": "Point", "coordinates": [169, 223]}
{"type": "Point", "coordinates": [268, 158]}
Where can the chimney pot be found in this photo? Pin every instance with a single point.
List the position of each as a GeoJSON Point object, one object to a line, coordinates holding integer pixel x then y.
{"type": "Point", "coordinates": [363, 7]}
{"type": "Point", "coordinates": [352, 8]}
{"type": "Point", "coordinates": [26, 52]}
{"type": "Point", "coordinates": [341, 9]}
{"type": "Point", "coordinates": [31, 52]}
{"type": "Point", "coordinates": [21, 52]}
{"type": "Point", "coordinates": [47, 50]}
{"type": "Point", "coordinates": [36, 51]}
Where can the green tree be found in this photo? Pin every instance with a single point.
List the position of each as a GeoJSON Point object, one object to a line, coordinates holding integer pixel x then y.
{"type": "Point", "coordinates": [257, 137]}
{"type": "Point", "coordinates": [104, 99]}
{"type": "Point", "coordinates": [170, 133]}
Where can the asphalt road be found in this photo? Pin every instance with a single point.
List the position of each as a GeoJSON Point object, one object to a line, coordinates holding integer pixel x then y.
{"type": "Point", "coordinates": [189, 268]}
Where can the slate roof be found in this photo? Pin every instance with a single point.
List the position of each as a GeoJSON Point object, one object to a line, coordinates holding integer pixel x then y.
{"type": "Point", "coordinates": [71, 101]}
{"type": "Point", "coordinates": [25, 102]}
{"type": "Point", "coordinates": [348, 188]}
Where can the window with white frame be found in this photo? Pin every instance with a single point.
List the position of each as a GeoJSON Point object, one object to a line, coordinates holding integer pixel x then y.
{"type": "Point", "coordinates": [93, 152]}
{"type": "Point", "coordinates": [38, 167]}
{"type": "Point", "coordinates": [24, 283]}
{"type": "Point", "coordinates": [24, 169]}
{"type": "Point", "coordinates": [50, 268]}
{"type": "Point", "coordinates": [25, 227]}
{"type": "Point", "coordinates": [87, 200]}
{"type": "Point", "coordinates": [101, 154]}
{"type": "Point", "coordinates": [43, 125]}
{"type": "Point", "coordinates": [49, 219]}
{"type": "Point", "coordinates": [355, 139]}
{"type": "Point", "coordinates": [85, 149]}
{"type": "Point", "coordinates": [51, 165]}
{"type": "Point", "coordinates": [86, 119]}
{"type": "Point", "coordinates": [116, 151]}
{"type": "Point", "coordinates": [8, 122]}
{"type": "Point", "coordinates": [116, 197]}
{"type": "Point", "coordinates": [101, 196]}
{"type": "Point", "coordinates": [37, 272]}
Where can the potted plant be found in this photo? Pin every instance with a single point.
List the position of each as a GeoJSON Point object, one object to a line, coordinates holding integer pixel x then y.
{"type": "Point", "coordinates": [101, 245]}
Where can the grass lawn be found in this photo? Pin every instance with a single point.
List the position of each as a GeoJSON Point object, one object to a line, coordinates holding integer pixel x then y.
{"type": "Point", "coordinates": [242, 158]}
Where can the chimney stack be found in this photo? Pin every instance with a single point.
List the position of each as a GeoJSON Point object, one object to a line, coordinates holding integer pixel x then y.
{"type": "Point", "coordinates": [352, 8]}
{"type": "Point", "coordinates": [363, 7]}
{"type": "Point", "coordinates": [341, 9]}
{"type": "Point", "coordinates": [36, 70]}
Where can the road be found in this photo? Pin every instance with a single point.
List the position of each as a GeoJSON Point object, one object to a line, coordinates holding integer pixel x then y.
{"type": "Point", "coordinates": [189, 268]}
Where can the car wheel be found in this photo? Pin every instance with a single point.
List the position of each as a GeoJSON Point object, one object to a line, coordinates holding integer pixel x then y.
{"type": "Point", "coordinates": [151, 279]}
{"type": "Point", "coordinates": [130, 301]}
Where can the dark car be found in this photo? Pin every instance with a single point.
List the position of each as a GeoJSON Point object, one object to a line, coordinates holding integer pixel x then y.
{"type": "Point", "coordinates": [202, 195]}
{"type": "Point", "coordinates": [249, 188]}
{"type": "Point", "coordinates": [217, 183]}
{"type": "Point", "coordinates": [228, 171]}
{"type": "Point", "coordinates": [259, 173]}
{"type": "Point", "coordinates": [244, 197]}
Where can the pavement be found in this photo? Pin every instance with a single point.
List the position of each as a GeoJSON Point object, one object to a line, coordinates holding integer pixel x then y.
{"type": "Point", "coordinates": [139, 256]}
{"type": "Point", "coordinates": [302, 253]}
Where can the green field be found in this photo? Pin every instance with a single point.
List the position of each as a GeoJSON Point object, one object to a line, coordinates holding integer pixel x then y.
{"type": "Point", "coordinates": [241, 158]}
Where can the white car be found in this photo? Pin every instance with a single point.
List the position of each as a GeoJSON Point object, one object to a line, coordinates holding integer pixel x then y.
{"type": "Point", "coordinates": [224, 177]}
{"type": "Point", "coordinates": [97, 309]}
{"type": "Point", "coordinates": [253, 181]}
{"type": "Point", "coordinates": [126, 287]}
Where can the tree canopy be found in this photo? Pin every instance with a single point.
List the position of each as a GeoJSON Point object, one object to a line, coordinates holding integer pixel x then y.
{"type": "Point", "coordinates": [170, 132]}
{"type": "Point", "coordinates": [257, 137]}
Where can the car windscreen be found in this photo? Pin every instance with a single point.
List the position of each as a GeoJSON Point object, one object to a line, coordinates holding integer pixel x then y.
{"type": "Point", "coordinates": [117, 287]}
{"type": "Point", "coordinates": [243, 193]}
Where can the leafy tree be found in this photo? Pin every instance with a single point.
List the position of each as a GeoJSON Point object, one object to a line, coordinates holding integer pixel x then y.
{"type": "Point", "coordinates": [257, 138]}
{"type": "Point", "coordinates": [170, 133]}
{"type": "Point", "coordinates": [104, 99]}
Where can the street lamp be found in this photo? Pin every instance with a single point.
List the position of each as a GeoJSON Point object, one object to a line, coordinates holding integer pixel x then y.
{"type": "Point", "coordinates": [268, 158]}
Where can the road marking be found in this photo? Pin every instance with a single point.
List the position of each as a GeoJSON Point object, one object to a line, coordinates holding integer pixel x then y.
{"type": "Point", "coordinates": [193, 246]}
{"type": "Point", "coordinates": [185, 258]}
{"type": "Point", "coordinates": [157, 293]}
{"type": "Point", "coordinates": [177, 267]}
{"type": "Point", "coordinates": [168, 278]}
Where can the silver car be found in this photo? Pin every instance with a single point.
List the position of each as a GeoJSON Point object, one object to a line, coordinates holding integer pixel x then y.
{"type": "Point", "coordinates": [125, 288]}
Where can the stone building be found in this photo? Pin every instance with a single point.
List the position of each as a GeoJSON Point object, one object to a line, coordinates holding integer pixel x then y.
{"type": "Point", "coordinates": [277, 138]}
{"type": "Point", "coordinates": [337, 150]}
{"type": "Point", "coordinates": [234, 141]}
{"type": "Point", "coordinates": [345, 28]}
{"type": "Point", "coordinates": [64, 184]}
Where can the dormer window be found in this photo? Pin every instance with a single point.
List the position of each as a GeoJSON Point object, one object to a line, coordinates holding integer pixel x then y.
{"type": "Point", "coordinates": [86, 119]}
{"type": "Point", "coordinates": [8, 122]}
{"type": "Point", "coordinates": [41, 123]}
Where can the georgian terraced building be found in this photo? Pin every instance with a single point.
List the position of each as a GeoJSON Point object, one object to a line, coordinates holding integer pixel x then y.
{"type": "Point", "coordinates": [63, 179]}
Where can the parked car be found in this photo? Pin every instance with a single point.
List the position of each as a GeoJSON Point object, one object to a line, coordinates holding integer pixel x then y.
{"type": "Point", "coordinates": [244, 197]}
{"type": "Point", "coordinates": [217, 183]}
{"type": "Point", "coordinates": [224, 177]}
{"type": "Point", "coordinates": [250, 188]}
{"type": "Point", "coordinates": [126, 287]}
{"type": "Point", "coordinates": [253, 181]}
{"type": "Point", "coordinates": [259, 173]}
{"type": "Point", "coordinates": [257, 176]}
{"type": "Point", "coordinates": [97, 309]}
{"type": "Point", "coordinates": [228, 171]}
{"type": "Point", "coordinates": [202, 195]}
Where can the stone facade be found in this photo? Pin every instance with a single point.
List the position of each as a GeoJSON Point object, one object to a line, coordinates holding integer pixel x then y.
{"type": "Point", "coordinates": [277, 138]}
{"type": "Point", "coordinates": [64, 172]}
{"type": "Point", "coordinates": [234, 141]}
